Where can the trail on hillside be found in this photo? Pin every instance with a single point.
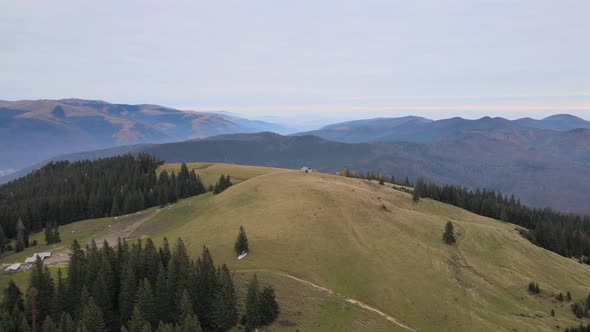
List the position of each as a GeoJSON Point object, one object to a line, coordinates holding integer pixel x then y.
{"type": "Point", "coordinates": [61, 258]}
{"type": "Point", "coordinates": [329, 291]}
{"type": "Point", "coordinates": [126, 231]}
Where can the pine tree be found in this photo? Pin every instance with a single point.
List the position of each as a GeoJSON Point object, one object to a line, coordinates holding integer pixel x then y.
{"type": "Point", "coordinates": [189, 324]}
{"type": "Point", "coordinates": [22, 238]}
{"type": "Point", "coordinates": [241, 245]}
{"type": "Point", "coordinates": [49, 325]}
{"type": "Point", "coordinates": [115, 209]}
{"type": "Point", "coordinates": [24, 325]}
{"type": "Point", "coordinates": [59, 298]}
{"type": "Point", "coordinates": [92, 319]}
{"type": "Point", "coordinates": [3, 240]}
{"type": "Point", "coordinates": [41, 280]}
{"type": "Point", "coordinates": [128, 293]}
{"type": "Point", "coordinates": [225, 313]}
{"type": "Point", "coordinates": [415, 195]}
{"type": "Point", "coordinates": [448, 235]}
{"type": "Point", "coordinates": [254, 316]}
{"type": "Point", "coordinates": [76, 277]}
{"type": "Point", "coordinates": [268, 306]}
{"type": "Point", "coordinates": [56, 235]}
{"type": "Point", "coordinates": [163, 327]}
{"type": "Point", "coordinates": [137, 321]}
{"type": "Point", "coordinates": [48, 234]}
{"type": "Point", "coordinates": [162, 296]}
{"type": "Point", "coordinates": [164, 252]}
{"type": "Point", "coordinates": [185, 307]}
{"type": "Point", "coordinates": [102, 297]}
{"type": "Point", "coordinates": [146, 302]}
{"type": "Point", "coordinates": [13, 297]}
{"type": "Point", "coordinates": [66, 324]}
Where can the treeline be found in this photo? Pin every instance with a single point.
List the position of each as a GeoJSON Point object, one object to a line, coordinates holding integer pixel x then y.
{"type": "Point", "coordinates": [565, 234]}
{"type": "Point", "coordinates": [137, 288]}
{"type": "Point", "coordinates": [63, 192]}
{"type": "Point", "coordinates": [376, 177]}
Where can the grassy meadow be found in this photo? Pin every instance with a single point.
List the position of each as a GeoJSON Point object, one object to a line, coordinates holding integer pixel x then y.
{"type": "Point", "coordinates": [364, 241]}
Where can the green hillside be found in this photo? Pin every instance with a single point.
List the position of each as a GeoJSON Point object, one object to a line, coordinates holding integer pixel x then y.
{"type": "Point", "coordinates": [325, 241]}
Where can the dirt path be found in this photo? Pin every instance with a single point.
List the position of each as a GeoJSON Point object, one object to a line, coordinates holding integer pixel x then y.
{"type": "Point", "coordinates": [126, 231]}
{"type": "Point", "coordinates": [329, 291]}
{"type": "Point", "coordinates": [61, 258]}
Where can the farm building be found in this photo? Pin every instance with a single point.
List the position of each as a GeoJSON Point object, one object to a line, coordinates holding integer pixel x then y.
{"type": "Point", "coordinates": [306, 169]}
{"type": "Point", "coordinates": [33, 258]}
{"type": "Point", "coordinates": [13, 268]}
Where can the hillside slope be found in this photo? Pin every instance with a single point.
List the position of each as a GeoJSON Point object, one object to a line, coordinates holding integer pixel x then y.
{"type": "Point", "coordinates": [373, 244]}
{"type": "Point", "coordinates": [327, 242]}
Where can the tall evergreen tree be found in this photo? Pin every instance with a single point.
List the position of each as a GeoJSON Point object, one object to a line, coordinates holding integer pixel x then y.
{"type": "Point", "coordinates": [254, 316]}
{"type": "Point", "coordinates": [241, 244]}
{"type": "Point", "coordinates": [146, 302]}
{"type": "Point", "coordinates": [92, 319]}
{"type": "Point", "coordinates": [268, 305]}
{"type": "Point", "coordinates": [22, 237]}
{"type": "Point", "coordinates": [49, 325]}
{"type": "Point", "coordinates": [13, 298]}
{"type": "Point", "coordinates": [48, 234]}
{"type": "Point", "coordinates": [225, 313]}
{"type": "Point", "coordinates": [128, 293]}
{"type": "Point", "coordinates": [76, 278]}
{"type": "Point", "coordinates": [41, 280]}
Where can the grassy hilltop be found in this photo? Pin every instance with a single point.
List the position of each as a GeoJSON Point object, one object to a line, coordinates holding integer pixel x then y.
{"type": "Point", "coordinates": [324, 241]}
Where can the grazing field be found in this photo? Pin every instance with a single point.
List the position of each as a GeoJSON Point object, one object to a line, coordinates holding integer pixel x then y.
{"type": "Point", "coordinates": [210, 172]}
{"type": "Point", "coordinates": [358, 240]}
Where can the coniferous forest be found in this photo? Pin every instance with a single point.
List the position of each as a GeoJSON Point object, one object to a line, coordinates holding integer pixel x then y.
{"type": "Point", "coordinates": [63, 192]}
{"type": "Point", "coordinates": [137, 288]}
{"type": "Point", "coordinates": [565, 234]}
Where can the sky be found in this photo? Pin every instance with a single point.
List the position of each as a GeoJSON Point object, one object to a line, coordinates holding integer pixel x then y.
{"type": "Point", "coordinates": [304, 61]}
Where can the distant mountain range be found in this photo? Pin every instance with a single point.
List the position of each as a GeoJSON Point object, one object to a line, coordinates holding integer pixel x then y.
{"type": "Point", "coordinates": [34, 130]}
{"type": "Point", "coordinates": [417, 129]}
{"type": "Point", "coordinates": [545, 162]}
{"type": "Point", "coordinates": [539, 174]}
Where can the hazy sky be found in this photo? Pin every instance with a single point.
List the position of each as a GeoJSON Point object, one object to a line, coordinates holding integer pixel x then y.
{"type": "Point", "coordinates": [305, 60]}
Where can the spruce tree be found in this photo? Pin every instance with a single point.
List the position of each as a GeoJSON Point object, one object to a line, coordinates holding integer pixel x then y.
{"type": "Point", "coordinates": [76, 277]}
{"type": "Point", "coordinates": [13, 298]}
{"type": "Point", "coordinates": [162, 296]}
{"type": "Point", "coordinates": [137, 321]}
{"type": "Point", "coordinates": [66, 324]}
{"type": "Point", "coordinates": [102, 297]}
{"type": "Point", "coordinates": [185, 307]}
{"type": "Point", "coordinates": [128, 293]}
{"type": "Point", "coordinates": [48, 234]}
{"type": "Point", "coordinates": [225, 313]}
{"type": "Point", "coordinates": [146, 302]}
{"type": "Point", "coordinates": [3, 240]}
{"type": "Point", "coordinates": [254, 316]}
{"type": "Point", "coordinates": [241, 244]}
{"type": "Point", "coordinates": [268, 306]}
{"type": "Point", "coordinates": [55, 233]}
{"type": "Point", "coordinates": [22, 238]}
{"type": "Point", "coordinates": [92, 319]}
{"type": "Point", "coordinates": [448, 235]}
{"type": "Point", "coordinates": [189, 324]}
{"type": "Point", "coordinates": [49, 325]}
{"type": "Point", "coordinates": [41, 280]}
